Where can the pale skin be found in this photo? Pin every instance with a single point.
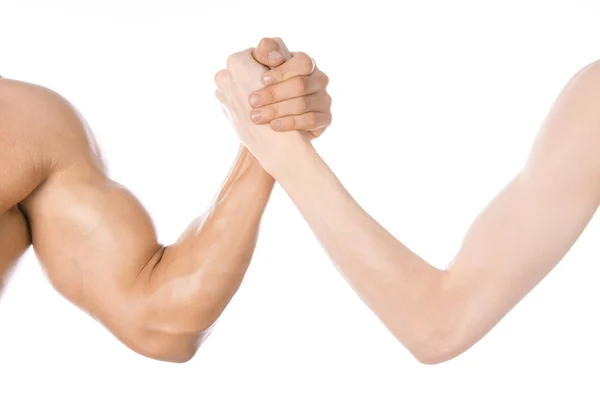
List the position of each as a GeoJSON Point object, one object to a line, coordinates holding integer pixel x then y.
{"type": "Point", "coordinates": [511, 246]}
{"type": "Point", "coordinates": [98, 244]}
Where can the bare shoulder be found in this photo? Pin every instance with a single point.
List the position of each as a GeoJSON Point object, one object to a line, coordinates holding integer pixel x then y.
{"type": "Point", "coordinates": [569, 141]}
{"type": "Point", "coordinates": [592, 70]}
{"type": "Point", "coordinates": [38, 107]}
{"type": "Point", "coordinates": [25, 102]}
{"type": "Point", "coordinates": [44, 123]}
{"type": "Point", "coordinates": [579, 107]}
{"type": "Point", "coordinates": [586, 84]}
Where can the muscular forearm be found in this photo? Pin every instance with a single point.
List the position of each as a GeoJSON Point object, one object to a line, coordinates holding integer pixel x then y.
{"type": "Point", "coordinates": [100, 249]}
{"type": "Point", "coordinates": [159, 301]}
{"type": "Point", "coordinates": [215, 250]}
{"type": "Point", "coordinates": [197, 276]}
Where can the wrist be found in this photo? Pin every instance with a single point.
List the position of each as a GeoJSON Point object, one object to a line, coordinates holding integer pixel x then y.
{"type": "Point", "coordinates": [288, 158]}
{"type": "Point", "coordinates": [246, 176]}
{"type": "Point", "coordinates": [247, 166]}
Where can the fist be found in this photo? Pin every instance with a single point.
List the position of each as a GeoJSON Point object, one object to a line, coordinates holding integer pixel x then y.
{"type": "Point", "coordinates": [242, 77]}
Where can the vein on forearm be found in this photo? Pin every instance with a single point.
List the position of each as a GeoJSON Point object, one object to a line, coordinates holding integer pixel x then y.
{"type": "Point", "coordinates": [201, 272]}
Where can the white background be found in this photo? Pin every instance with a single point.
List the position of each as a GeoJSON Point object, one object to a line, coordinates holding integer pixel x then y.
{"type": "Point", "coordinates": [436, 104]}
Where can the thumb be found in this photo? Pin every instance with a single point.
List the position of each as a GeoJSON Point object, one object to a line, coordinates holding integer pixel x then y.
{"type": "Point", "coordinates": [271, 52]}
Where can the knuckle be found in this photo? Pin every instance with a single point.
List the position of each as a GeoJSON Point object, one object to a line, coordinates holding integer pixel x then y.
{"type": "Point", "coordinates": [220, 78]}
{"type": "Point", "coordinates": [289, 123]}
{"type": "Point", "coordinates": [265, 41]}
{"type": "Point", "coordinates": [299, 84]}
{"type": "Point", "coordinates": [304, 62]}
{"type": "Point", "coordinates": [269, 95]}
{"type": "Point", "coordinates": [232, 60]}
{"type": "Point", "coordinates": [322, 80]}
{"type": "Point", "coordinates": [271, 112]}
{"type": "Point", "coordinates": [311, 119]}
{"type": "Point", "coordinates": [303, 104]}
{"type": "Point", "coordinates": [236, 59]}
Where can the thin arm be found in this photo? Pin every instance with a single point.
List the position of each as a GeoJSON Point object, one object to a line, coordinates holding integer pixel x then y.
{"type": "Point", "coordinates": [521, 235]}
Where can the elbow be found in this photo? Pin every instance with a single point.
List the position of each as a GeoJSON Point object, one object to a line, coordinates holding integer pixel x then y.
{"type": "Point", "coordinates": [167, 348]}
{"type": "Point", "coordinates": [434, 353]}
{"type": "Point", "coordinates": [437, 344]}
{"type": "Point", "coordinates": [166, 345]}
{"type": "Point", "coordinates": [173, 334]}
{"type": "Point", "coordinates": [180, 356]}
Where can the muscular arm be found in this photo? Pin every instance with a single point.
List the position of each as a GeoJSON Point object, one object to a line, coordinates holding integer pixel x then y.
{"type": "Point", "coordinates": [522, 234]}
{"type": "Point", "coordinates": [98, 244]}
{"type": "Point", "coordinates": [100, 251]}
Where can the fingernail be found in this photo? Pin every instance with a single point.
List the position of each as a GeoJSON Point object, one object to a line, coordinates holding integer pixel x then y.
{"type": "Point", "coordinates": [277, 124]}
{"type": "Point", "coordinates": [274, 55]}
{"type": "Point", "coordinates": [254, 100]}
{"type": "Point", "coordinates": [267, 79]}
{"type": "Point", "coordinates": [255, 115]}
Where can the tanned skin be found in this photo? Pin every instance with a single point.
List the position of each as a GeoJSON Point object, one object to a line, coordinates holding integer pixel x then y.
{"type": "Point", "coordinates": [512, 245]}
{"type": "Point", "coordinates": [98, 244]}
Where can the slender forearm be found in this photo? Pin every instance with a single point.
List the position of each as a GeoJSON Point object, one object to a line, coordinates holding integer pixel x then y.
{"type": "Point", "coordinates": [213, 254]}
{"type": "Point", "coordinates": [396, 284]}
{"type": "Point", "coordinates": [512, 245]}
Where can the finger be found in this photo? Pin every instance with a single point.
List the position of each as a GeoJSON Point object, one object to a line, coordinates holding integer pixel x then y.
{"type": "Point", "coordinates": [299, 65]}
{"type": "Point", "coordinates": [238, 62]}
{"type": "Point", "coordinates": [222, 97]}
{"type": "Point", "coordinates": [237, 57]}
{"type": "Point", "coordinates": [284, 50]}
{"type": "Point", "coordinates": [292, 88]}
{"type": "Point", "coordinates": [269, 53]}
{"type": "Point", "coordinates": [304, 122]}
{"type": "Point", "coordinates": [319, 102]}
{"type": "Point", "coordinates": [223, 79]}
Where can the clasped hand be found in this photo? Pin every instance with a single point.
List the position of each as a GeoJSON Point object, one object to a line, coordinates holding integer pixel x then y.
{"type": "Point", "coordinates": [274, 99]}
